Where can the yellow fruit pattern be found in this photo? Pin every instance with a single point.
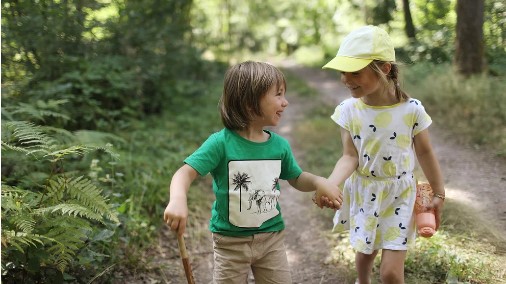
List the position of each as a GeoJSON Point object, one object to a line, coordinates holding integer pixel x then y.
{"type": "Point", "coordinates": [355, 126]}
{"type": "Point", "coordinates": [366, 182]}
{"type": "Point", "coordinates": [403, 141]}
{"type": "Point", "coordinates": [383, 196]}
{"type": "Point", "coordinates": [389, 212]}
{"type": "Point", "coordinates": [392, 233]}
{"type": "Point", "coordinates": [409, 119]}
{"type": "Point", "coordinates": [371, 222]}
{"type": "Point", "coordinates": [406, 162]}
{"type": "Point", "coordinates": [383, 119]}
{"type": "Point", "coordinates": [378, 238]}
{"type": "Point", "coordinates": [360, 245]}
{"type": "Point", "coordinates": [406, 193]}
{"type": "Point", "coordinates": [358, 198]}
{"type": "Point", "coordinates": [381, 192]}
{"type": "Point", "coordinates": [372, 147]}
{"type": "Point", "coordinates": [389, 168]}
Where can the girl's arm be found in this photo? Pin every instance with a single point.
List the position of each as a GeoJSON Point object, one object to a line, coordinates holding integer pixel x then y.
{"type": "Point", "coordinates": [431, 170]}
{"type": "Point", "coordinates": [176, 212]}
{"type": "Point", "coordinates": [348, 163]}
{"type": "Point", "coordinates": [309, 182]}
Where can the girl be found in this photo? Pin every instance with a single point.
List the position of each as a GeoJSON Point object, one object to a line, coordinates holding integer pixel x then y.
{"type": "Point", "coordinates": [381, 128]}
{"type": "Point", "coordinates": [246, 162]}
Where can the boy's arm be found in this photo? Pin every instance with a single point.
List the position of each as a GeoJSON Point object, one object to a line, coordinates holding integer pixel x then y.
{"type": "Point", "coordinates": [348, 162]}
{"type": "Point", "coordinates": [431, 170]}
{"type": "Point", "coordinates": [176, 212]}
{"type": "Point", "coordinates": [307, 182]}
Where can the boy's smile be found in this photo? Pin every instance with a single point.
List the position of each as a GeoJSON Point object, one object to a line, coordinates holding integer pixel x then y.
{"type": "Point", "coordinates": [272, 105]}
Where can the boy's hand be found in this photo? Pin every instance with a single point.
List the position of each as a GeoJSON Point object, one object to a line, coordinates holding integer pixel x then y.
{"type": "Point", "coordinates": [175, 215]}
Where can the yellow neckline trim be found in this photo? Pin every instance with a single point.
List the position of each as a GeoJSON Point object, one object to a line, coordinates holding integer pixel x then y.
{"type": "Point", "coordinates": [379, 107]}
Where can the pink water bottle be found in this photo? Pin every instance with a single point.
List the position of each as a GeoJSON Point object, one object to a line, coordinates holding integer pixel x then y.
{"type": "Point", "coordinates": [425, 220]}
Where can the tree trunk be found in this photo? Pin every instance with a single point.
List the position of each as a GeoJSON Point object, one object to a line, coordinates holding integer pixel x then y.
{"type": "Point", "coordinates": [409, 27]}
{"type": "Point", "coordinates": [469, 42]}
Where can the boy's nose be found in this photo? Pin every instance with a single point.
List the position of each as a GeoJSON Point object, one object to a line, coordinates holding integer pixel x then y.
{"type": "Point", "coordinates": [285, 102]}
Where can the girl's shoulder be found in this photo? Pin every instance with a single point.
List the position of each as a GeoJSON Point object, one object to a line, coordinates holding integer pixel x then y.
{"type": "Point", "coordinates": [414, 104]}
{"type": "Point", "coordinates": [347, 103]}
{"type": "Point", "coordinates": [413, 101]}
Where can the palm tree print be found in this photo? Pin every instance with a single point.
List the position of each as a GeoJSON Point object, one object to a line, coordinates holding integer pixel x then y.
{"type": "Point", "coordinates": [275, 184]}
{"type": "Point", "coordinates": [241, 181]}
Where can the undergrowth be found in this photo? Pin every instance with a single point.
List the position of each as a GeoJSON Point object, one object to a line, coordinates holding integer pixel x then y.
{"type": "Point", "coordinates": [472, 108]}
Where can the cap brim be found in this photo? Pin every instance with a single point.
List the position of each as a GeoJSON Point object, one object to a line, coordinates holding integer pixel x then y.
{"type": "Point", "coordinates": [347, 64]}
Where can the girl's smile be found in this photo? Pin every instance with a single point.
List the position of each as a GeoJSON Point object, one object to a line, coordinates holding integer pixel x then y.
{"type": "Point", "coordinates": [367, 85]}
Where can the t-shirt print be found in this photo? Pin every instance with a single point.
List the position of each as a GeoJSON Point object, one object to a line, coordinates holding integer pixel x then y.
{"type": "Point", "coordinates": [253, 191]}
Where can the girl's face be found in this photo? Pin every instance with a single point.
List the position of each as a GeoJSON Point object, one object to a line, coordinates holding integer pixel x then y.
{"type": "Point", "coordinates": [272, 105]}
{"type": "Point", "coordinates": [362, 83]}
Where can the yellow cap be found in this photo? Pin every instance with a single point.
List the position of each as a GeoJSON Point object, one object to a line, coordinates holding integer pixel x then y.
{"type": "Point", "coordinates": [361, 47]}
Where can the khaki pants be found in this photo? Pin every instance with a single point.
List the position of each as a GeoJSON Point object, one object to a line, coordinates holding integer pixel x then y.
{"type": "Point", "coordinates": [263, 253]}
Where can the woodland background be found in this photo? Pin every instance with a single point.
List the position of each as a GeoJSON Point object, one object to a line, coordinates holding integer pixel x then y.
{"type": "Point", "coordinates": [102, 100]}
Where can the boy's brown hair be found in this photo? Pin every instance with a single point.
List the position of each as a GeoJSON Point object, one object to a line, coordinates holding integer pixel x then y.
{"type": "Point", "coordinates": [244, 85]}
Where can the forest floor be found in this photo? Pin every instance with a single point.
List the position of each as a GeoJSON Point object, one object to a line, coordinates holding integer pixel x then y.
{"type": "Point", "coordinates": [473, 178]}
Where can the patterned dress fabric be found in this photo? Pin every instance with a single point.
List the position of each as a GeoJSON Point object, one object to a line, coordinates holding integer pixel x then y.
{"type": "Point", "coordinates": [379, 196]}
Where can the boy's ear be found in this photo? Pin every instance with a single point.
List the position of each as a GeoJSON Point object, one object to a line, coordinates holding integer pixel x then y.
{"type": "Point", "coordinates": [386, 67]}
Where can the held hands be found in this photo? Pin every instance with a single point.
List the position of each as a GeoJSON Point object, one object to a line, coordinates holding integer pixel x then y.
{"type": "Point", "coordinates": [328, 195]}
{"type": "Point", "coordinates": [176, 214]}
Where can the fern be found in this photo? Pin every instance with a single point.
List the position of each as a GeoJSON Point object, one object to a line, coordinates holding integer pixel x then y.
{"type": "Point", "coordinates": [38, 111]}
{"type": "Point", "coordinates": [86, 194]}
{"type": "Point", "coordinates": [24, 222]}
{"type": "Point", "coordinates": [19, 240]}
{"type": "Point", "coordinates": [29, 137]}
{"type": "Point", "coordinates": [55, 218]}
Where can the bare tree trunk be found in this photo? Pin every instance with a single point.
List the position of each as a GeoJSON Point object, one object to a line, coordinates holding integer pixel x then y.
{"type": "Point", "coordinates": [469, 43]}
{"type": "Point", "coordinates": [409, 27]}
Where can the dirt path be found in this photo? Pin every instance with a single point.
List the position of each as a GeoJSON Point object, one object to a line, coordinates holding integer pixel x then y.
{"type": "Point", "coordinates": [472, 177]}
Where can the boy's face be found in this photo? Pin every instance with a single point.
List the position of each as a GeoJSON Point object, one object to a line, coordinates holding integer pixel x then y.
{"type": "Point", "coordinates": [272, 105]}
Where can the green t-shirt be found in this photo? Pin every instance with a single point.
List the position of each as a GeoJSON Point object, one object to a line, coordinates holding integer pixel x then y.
{"type": "Point", "coordinates": [245, 181]}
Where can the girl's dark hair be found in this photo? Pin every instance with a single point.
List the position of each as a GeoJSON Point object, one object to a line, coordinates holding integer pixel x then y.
{"type": "Point", "coordinates": [244, 85]}
{"type": "Point", "coordinates": [391, 77]}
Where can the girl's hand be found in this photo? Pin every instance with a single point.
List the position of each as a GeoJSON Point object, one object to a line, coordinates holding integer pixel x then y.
{"type": "Point", "coordinates": [325, 202]}
{"type": "Point", "coordinates": [436, 205]}
{"type": "Point", "coordinates": [175, 215]}
{"type": "Point", "coordinates": [328, 195]}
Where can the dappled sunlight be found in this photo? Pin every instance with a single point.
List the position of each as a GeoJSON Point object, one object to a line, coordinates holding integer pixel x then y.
{"type": "Point", "coordinates": [462, 196]}
{"type": "Point", "coordinates": [285, 129]}
{"type": "Point", "coordinates": [293, 256]}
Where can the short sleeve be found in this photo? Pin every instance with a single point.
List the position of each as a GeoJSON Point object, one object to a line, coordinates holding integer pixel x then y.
{"type": "Point", "coordinates": [340, 116]}
{"type": "Point", "coordinates": [207, 156]}
{"type": "Point", "coordinates": [290, 169]}
{"type": "Point", "coordinates": [422, 118]}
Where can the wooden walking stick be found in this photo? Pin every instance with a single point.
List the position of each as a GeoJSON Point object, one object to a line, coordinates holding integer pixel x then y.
{"type": "Point", "coordinates": [185, 259]}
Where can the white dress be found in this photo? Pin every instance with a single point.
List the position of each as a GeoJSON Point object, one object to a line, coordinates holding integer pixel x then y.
{"type": "Point", "coordinates": [379, 196]}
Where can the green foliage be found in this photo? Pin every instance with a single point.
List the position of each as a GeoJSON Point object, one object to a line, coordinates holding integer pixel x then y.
{"type": "Point", "coordinates": [43, 39]}
{"type": "Point", "coordinates": [49, 216]}
{"type": "Point", "coordinates": [473, 107]}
